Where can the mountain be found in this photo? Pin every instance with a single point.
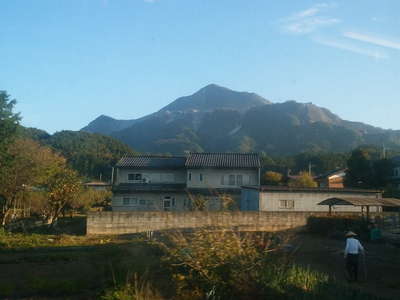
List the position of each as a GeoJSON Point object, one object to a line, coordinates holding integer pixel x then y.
{"type": "Point", "coordinates": [208, 99]}
{"type": "Point", "coordinates": [219, 119]}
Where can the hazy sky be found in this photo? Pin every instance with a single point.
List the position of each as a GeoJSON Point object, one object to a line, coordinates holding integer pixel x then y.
{"type": "Point", "coordinates": [67, 62]}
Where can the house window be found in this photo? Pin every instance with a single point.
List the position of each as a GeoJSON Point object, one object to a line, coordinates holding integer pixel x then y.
{"type": "Point", "coordinates": [142, 202]}
{"type": "Point", "coordinates": [222, 180]}
{"type": "Point", "coordinates": [125, 201]}
{"type": "Point", "coordinates": [286, 204]}
{"type": "Point", "coordinates": [190, 176]}
{"type": "Point", "coordinates": [231, 179]}
{"type": "Point", "coordinates": [201, 177]}
{"type": "Point", "coordinates": [239, 180]}
{"type": "Point", "coordinates": [134, 177]}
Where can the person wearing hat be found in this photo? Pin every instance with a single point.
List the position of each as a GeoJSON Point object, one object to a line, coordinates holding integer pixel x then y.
{"type": "Point", "coordinates": [351, 254]}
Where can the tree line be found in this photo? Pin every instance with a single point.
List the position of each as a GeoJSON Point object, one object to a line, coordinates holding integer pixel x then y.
{"type": "Point", "coordinates": [35, 179]}
{"type": "Point", "coordinates": [367, 167]}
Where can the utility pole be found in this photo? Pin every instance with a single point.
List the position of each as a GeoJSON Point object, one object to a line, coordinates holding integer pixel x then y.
{"type": "Point", "coordinates": [383, 151]}
{"type": "Point", "coordinates": [309, 168]}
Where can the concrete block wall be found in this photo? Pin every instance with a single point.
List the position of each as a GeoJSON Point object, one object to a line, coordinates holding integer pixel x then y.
{"type": "Point", "coordinates": [134, 222]}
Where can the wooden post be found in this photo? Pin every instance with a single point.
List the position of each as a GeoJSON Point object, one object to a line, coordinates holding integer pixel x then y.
{"type": "Point", "coordinates": [330, 210]}
{"type": "Point", "coordinates": [367, 213]}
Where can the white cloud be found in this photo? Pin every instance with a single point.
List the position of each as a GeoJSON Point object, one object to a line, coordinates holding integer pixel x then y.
{"type": "Point", "coordinates": [371, 52]}
{"type": "Point", "coordinates": [307, 13]}
{"type": "Point", "coordinates": [309, 25]}
{"type": "Point", "coordinates": [383, 42]}
{"type": "Point", "coordinates": [309, 20]}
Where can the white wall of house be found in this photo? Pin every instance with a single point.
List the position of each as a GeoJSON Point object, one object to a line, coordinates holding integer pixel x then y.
{"type": "Point", "coordinates": [150, 176]}
{"type": "Point", "coordinates": [158, 201]}
{"type": "Point", "coordinates": [303, 201]}
{"type": "Point", "coordinates": [221, 178]}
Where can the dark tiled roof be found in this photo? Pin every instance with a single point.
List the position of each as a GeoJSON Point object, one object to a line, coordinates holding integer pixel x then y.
{"type": "Point", "coordinates": [216, 192]}
{"type": "Point", "coordinates": [223, 160]}
{"type": "Point", "coordinates": [152, 162]}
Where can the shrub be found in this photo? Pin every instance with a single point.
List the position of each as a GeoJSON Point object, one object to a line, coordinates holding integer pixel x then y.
{"type": "Point", "coordinates": [217, 263]}
{"type": "Point", "coordinates": [337, 226]}
{"type": "Point", "coordinates": [134, 289]}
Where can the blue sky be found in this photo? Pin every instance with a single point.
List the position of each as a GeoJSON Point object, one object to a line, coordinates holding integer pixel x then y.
{"type": "Point", "coordinates": [67, 62]}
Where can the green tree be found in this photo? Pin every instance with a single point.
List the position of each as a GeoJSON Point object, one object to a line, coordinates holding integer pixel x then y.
{"type": "Point", "coordinates": [8, 129]}
{"type": "Point", "coordinates": [360, 170]}
{"type": "Point", "coordinates": [272, 178]}
{"type": "Point", "coordinates": [63, 187]}
{"type": "Point", "coordinates": [303, 180]}
{"type": "Point", "coordinates": [247, 144]}
{"type": "Point", "coordinates": [29, 168]}
{"type": "Point", "coordinates": [90, 197]}
{"type": "Point", "coordinates": [382, 171]}
{"type": "Point", "coordinates": [39, 179]}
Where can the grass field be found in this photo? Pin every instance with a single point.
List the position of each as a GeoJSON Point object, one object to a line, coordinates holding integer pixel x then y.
{"type": "Point", "coordinates": [66, 264]}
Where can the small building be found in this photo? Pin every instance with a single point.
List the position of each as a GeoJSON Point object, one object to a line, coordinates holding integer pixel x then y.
{"type": "Point", "coordinates": [180, 183]}
{"type": "Point", "coordinates": [333, 179]}
{"type": "Point", "coordinates": [395, 179]}
{"type": "Point", "coordinates": [97, 185]}
{"type": "Point", "coordinates": [279, 198]}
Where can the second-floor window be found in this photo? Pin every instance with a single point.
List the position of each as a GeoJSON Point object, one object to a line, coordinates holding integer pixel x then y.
{"type": "Point", "coordinates": [231, 179]}
{"type": "Point", "coordinates": [239, 180]}
{"type": "Point", "coordinates": [134, 177]}
{"type": "Point", "coordinates": [190, 176]}
{"type": "Point", "coordinates": [201, 177]}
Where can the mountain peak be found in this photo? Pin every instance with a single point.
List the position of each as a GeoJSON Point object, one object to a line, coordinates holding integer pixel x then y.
{"type": "Point", "coordinates": [214, 97]}
{"type": "Point", "coordinates": [105, 125]}
{"type": "Point", "coordinates": [213, 87]}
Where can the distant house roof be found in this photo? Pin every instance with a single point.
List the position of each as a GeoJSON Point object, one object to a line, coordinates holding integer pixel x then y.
{"type": "Point", "coordinates": [97, 183]}
{"type": "Point", "coordinates": [331, 173]}
{"type": "Point", "coordinates": [152, 162]}
{"type": "Point", "coordinates": [223, 160]}
{"type": "Point", "coordinates": [267, 188]}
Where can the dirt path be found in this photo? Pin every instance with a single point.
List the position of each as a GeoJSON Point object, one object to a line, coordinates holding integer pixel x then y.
{"type": "Point", "coordinates": [382, 263]}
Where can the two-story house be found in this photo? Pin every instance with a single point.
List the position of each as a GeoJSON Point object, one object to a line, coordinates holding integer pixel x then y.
{"type": "Point", "coordinates": [176, 183]}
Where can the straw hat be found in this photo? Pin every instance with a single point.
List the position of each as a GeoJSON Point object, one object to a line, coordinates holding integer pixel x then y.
{"type": "Point", "coordinates": [351, 233]}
